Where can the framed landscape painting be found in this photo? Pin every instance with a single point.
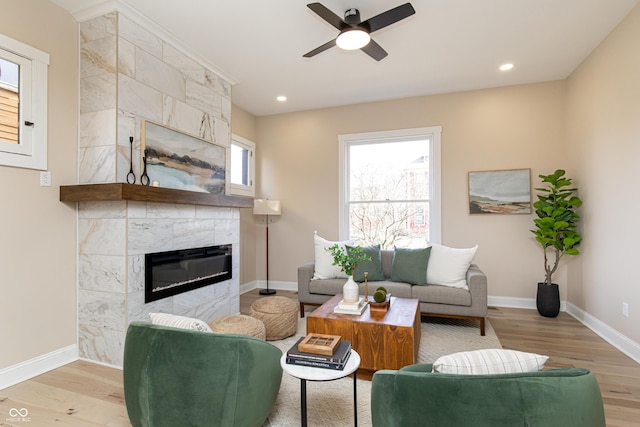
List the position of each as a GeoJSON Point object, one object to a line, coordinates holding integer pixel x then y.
{"type": "Point", "coordinates": [500, 192]}
{"type": "Point", "coordinates": [178, 160]}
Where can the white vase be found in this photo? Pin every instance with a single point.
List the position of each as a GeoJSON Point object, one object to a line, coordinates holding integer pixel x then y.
{"type": "Point", "coordinates": [350, 290]}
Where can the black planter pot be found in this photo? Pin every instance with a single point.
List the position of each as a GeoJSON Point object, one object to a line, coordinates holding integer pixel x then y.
{"type": "Point", "coordinates": [548, 300]}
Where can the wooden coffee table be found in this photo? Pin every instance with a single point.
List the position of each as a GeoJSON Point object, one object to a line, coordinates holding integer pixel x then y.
{"type": "Point", "coordinates": [384, 341]}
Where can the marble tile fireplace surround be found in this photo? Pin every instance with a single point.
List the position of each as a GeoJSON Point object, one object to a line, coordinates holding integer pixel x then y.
{"type": "Point", "coordinates": [131, 71]}
{"type": "Point", "coordinates": [113, 238]}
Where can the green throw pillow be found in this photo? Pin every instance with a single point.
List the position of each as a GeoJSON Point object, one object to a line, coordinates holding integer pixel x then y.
{"type": "Point", "coordinates": [410, 265]}
{"type": "Point", "coordinates": [373, 267]}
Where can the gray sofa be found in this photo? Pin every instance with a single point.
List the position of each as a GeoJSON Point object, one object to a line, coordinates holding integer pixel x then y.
{"type": "Point", "coordinates": [438, 301]}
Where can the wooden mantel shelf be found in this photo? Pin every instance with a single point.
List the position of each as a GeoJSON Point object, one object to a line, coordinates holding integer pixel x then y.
{"type": "Point", "coordinates": [142, 193]}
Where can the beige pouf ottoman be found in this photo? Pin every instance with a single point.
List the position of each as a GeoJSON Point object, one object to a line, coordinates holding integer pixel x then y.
{"type": "Point", "coordinates": [239, 324]}
{"type": "Point", "coordinates": [279, 315]}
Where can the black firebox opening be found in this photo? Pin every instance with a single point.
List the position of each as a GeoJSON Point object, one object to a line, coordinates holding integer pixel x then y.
{"type": "Point", "coordinates": [173, 272]}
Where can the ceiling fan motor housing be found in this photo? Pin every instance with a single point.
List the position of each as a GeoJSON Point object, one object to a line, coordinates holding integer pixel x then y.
{"type": "Point", "coordinates": [352, 16]}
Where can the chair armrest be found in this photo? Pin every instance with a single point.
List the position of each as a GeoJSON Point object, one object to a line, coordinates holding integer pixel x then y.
{"type": "Point", "coordinates": [418, 367]}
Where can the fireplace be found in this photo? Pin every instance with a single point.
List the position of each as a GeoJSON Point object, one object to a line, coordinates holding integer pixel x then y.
{"type": "Point", "coordinates": [173, 272]}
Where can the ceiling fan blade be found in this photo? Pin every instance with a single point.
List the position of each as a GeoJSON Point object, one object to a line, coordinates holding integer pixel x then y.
{"type": "Point", "coordinates": [320, 49]}
{"type": "Point", "coordinates": [389, 17]}
{"type": "Point", "coordinates": [374, 50]}
{"type": "Point", "coordinates": [328, 16]}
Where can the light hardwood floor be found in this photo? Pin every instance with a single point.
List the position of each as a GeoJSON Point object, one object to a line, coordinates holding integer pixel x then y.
{"type": "Point", "coordinates": [84, 394]}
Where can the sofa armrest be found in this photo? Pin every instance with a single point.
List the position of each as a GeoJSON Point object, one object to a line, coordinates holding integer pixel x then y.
{"type": "Point", "coordinates": [305, 273]}
{"type": "Point", "coordinates": [477, 282]}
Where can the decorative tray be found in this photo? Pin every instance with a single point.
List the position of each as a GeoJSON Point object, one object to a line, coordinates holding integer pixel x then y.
{"type": "Point", "coordinates": [319, 344]}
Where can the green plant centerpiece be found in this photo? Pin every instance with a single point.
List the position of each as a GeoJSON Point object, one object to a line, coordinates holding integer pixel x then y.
{"type": "Point", "coordinates": [348, 260]}
{"type": "Point", "coordinates": [555, 229]}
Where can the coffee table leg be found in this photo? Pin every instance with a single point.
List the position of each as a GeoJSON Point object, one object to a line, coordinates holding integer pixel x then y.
{"type": "Point", "coordinates": [303, 401]}
{"type": "Point", "coordinates": [355, 401]}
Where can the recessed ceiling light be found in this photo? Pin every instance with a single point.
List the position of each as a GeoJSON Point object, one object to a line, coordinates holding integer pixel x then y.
{"type": "Point", "coordinates": [506, 67]}
{"type": "Point", "coordinates": [281, 98]}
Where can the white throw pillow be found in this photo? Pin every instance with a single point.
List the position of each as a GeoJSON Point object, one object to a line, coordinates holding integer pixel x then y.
{"type": "Point", "coordinates": [182, 322]}
{"type": "Point", "coordinates": [492, 361]}
{"type": "Point", "coordinates": [324, 268]}
{"type": "Point", "coordinates": [448, 266]}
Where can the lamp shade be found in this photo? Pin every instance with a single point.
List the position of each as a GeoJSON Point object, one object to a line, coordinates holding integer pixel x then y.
{"type": "Point", "coordinates": [266, 207]}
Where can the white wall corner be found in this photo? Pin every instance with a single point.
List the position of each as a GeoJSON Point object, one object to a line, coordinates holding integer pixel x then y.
{"type": "Point", "coordinates": [37, 366]}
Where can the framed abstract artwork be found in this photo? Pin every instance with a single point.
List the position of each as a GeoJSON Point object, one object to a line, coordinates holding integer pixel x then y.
{"type": "Point", "coordinates": [500, 192]}
{"type": "Point", "coordinates": [177, 160]}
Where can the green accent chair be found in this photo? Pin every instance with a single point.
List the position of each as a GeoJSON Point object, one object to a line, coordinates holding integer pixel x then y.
{"type": "Point", "coordinates": [177, 377]}
{"type": "Point", "coordinates": [415, 396]}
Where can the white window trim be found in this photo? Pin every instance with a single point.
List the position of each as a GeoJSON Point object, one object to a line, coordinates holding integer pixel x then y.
{"type": "Point", "coordinates": [435, 218]}
{"type": "Point", "coordinates": [33, 153]}
{"type": "Point", "coordinates": [239, 189]}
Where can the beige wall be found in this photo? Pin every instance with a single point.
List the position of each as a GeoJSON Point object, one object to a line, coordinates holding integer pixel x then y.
{"type": "Point", "coordinates": [604, 132]}
{"type": "Point", "coordinates": [504, 128]}
{"type": "Point", "coordinates": [38, 233]}
{"type": "Point", "coordinates": [244, 124]}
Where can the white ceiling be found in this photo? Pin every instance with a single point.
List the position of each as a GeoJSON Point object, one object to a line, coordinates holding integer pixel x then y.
{"type": "Point", "coordinates": [447, 46]}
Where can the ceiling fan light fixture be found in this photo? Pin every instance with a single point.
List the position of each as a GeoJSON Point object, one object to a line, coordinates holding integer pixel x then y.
{"type": "Point", "coordinates": [353, 38]}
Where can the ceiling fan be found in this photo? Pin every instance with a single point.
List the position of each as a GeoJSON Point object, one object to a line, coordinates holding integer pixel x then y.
{"type": "Point", "coordinates": [355, 34]}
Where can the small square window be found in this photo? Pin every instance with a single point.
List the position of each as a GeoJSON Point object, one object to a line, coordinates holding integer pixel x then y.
{"type": "Point", "coordinates": [242, 167]}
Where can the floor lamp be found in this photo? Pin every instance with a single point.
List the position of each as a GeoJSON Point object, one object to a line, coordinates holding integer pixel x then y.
{"type": "Point", "coordinates": [266, 207]}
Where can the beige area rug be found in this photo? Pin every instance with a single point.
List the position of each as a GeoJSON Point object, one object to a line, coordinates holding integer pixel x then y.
{"type": "Point", "coordinates": [330, 403]}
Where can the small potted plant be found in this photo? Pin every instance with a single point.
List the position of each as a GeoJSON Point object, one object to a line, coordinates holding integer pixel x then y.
{"type": "Point", "coordinates": [556, 231]}
{"type": "Point", "coordinates": [348, 260]}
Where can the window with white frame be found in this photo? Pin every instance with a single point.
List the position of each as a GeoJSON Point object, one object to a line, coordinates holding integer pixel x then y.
{"type": "Point", "coordinates": [242, 167]}
{"type": "Point", "coordinates": [390, 187]}
{"type": "Point", "coordinates": [23, 105]}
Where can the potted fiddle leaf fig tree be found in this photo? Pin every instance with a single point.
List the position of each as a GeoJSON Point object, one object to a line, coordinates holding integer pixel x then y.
{"type": "Point", "coordinates": [348, 260]}
{"type": "Point", "coordinates": [556, 231]}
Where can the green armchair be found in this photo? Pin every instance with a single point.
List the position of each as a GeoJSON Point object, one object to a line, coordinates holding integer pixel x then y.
{"type": "Point", "coordinates": [178, 377]}
{"type": "Point", "coordinates": [414, 396]}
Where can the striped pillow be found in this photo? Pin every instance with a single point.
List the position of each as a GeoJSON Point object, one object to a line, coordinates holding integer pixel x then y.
{"type": "Point", "coordinates": [492, 361]}
{"type": "Point", "coordinates": [181, 322]}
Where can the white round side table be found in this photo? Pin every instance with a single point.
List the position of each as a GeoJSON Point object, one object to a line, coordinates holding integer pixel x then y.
{"type": "Point", "coordinates": [308, 373]}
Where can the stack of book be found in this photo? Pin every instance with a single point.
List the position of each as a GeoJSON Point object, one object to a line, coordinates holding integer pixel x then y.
{"type": "Point", "coordinates": [356, 308]}
{"type": "Point", "coordinates": [331, 357]}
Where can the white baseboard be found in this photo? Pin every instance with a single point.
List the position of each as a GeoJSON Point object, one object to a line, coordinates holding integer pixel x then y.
{"type": "Point", "coordinates": [494, 301]}
{"type": "Point", "coordinates": [510, 302]}
{"type": "Point", "coordinates": [38, 365]}
{"type": "Point", "coordinates": [246, 287]}
{"type": "Point", "coordinates": [606, 332]}
{"type": "Point", "coordinates": [262, 284]}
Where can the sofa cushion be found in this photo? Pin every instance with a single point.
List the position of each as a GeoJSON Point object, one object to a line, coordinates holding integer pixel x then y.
{"type": "Point", "coordinates": [334, 286]}
{"type": "Point", "coordinates": [386, 256]}
{"type": "Point", "coordinates": [182, 322]}
{"type": "Point", "coordinates": [410, 265]}
{"type": "Point", "coordinates": [442, 295]}
{"type": "Point", "coordinates": [373, 267]}
{"type": "Point", "coordinates": [448, 266]}
{"type": "Point", "coordinates": [491, 361]}
{"type": "Point", "coordinates": [326, 286]}
{"type": "Point", "coordinates": [396, 289]}
{"type": "Point", "coordinates": [324, 268]}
